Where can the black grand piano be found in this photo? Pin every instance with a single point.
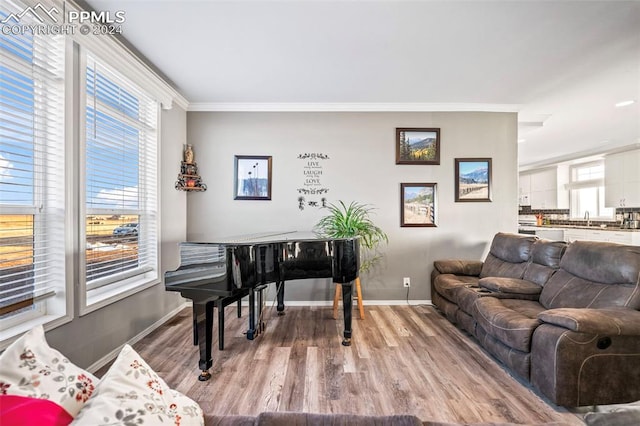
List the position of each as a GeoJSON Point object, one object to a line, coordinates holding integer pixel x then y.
{"type": "Point", "coordinates": [218, 273]}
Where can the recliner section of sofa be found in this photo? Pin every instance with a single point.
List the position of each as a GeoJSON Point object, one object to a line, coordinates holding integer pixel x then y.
{"type": "Point", "coordinates": [563, 317]}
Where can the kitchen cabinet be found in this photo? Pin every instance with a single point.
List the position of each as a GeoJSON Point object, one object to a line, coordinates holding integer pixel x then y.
{"type": "Point", "coordinates": [552, 234]}
{"type": "Point", "coordinates": [623, 237]}
{"type": "Point", "coordinates": [622, 179]}
{"type": "Point", "coordinates": [610, 236]}
{"type": "Point", "coordinates": [571, 235]}
{"type": "Point", "coordinates": [524, 190]}
{"type": "Point", "coordinates": [544, 189]}
{"type": "Point", "coordinates": [544, 199]}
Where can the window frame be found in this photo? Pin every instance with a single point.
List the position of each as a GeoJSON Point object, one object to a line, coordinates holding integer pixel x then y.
{"type": "Point", "coordinates": [597, 183]}
{"type": "Point", "coordinates": [55, 307]}
{"type": "Point", "coordinates": [93, 297]}
{"type": "Point", "coordinates": [66, 302]}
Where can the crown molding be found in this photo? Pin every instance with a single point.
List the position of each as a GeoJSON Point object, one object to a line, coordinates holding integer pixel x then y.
{"type": "Point", "coordinates": [348, 107]}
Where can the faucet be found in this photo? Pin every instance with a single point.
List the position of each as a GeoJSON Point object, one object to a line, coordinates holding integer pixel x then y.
{"type": "Point", "coordinates": [586, 216]}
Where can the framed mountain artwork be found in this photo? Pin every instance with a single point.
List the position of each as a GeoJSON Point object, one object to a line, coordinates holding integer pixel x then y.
{"type": "Point", "coordinates": [473, 179]}
{"type": "Point", "coordinates": [417, 146]}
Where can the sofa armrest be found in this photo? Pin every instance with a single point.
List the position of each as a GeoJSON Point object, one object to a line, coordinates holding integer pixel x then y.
{"type": "Point", "coordinates": [611, 321]}
{"type": "Point", "coordinates": [459, 267]}
{"type": "Point", "coordinates": [510, 286]}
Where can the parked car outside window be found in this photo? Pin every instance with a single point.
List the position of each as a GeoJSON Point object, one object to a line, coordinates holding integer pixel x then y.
{"type": "Point", "coordinates": [126, 229]}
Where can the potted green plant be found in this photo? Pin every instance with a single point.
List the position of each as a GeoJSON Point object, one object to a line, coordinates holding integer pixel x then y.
{"type": "Point", "coordinates": [350, 221]}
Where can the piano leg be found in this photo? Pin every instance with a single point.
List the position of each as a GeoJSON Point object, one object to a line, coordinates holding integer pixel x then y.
{"type": "Point", "coordinates": [261, 324]}
{"type": "Point", "coordinates": [347, 305]}
{"type": "Point", "coordinates": [204, 328]}
{"type": "Point", "coordinates": [280, 296]}
{"type": "Point", "coordinates": [251, 332]}
{"type": "Point", "coordinates": [220, 306]}
{"type": "Point", "coordinates": [256, 325]}
{"type": "Point", "coordinates": [195, 325]}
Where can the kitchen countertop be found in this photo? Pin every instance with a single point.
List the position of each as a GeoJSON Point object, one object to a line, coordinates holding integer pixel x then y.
{"type": "Point", "coordinates": [561, 227]}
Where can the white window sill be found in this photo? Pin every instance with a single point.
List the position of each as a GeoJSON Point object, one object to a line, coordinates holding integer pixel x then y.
{"type": "Point", "coordinates": [106, 295]}
{"type": "Point", "coordinates": [11, 334]}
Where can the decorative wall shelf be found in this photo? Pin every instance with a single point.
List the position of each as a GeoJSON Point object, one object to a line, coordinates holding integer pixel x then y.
{"type": "Point", "coordinates": [188, 178]}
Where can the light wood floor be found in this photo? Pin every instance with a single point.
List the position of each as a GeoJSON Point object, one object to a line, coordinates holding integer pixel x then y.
{"type": "Point", "coordinates": [403, 359]}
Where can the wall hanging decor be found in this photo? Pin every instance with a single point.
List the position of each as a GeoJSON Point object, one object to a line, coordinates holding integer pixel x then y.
{"type": "Point", "coordinates": [473, 179]}
{"type": "Point", "coordinates": [252, 177]}
{"type": "Point", "coordinates": [188, 178]}
{"type": "Point", "coordinates": [417, 146]}
{"type": "Point", "coordinates": [312, 192]}
{"type": "Point", "coordinates": [418, 203]}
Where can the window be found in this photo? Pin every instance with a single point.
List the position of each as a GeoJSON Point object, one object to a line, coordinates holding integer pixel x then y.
{"type": "Point", "coordinates": [120, 184]}
{"type": "Point", "coordinates": [32, 178]}
{"type": "Point", "coordinates": [587, 192]}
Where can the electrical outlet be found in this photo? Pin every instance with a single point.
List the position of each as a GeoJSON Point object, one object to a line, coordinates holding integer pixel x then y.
{"type": "Point", "coordinates": [406, 282]}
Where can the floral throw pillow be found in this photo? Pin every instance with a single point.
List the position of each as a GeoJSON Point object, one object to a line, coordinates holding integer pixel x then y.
{"type": "Point", "coordinates": [131, 393]}
{"type": "Point", "coordinates": [30, 367]}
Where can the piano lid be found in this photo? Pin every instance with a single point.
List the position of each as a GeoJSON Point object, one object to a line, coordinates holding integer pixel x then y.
{"type": "Point", "coordinates": [272, 237]}
{"type": "Point", "coordinates": [198, 261]}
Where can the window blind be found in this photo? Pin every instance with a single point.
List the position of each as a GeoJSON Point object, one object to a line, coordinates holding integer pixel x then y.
{"type": "Point", "coordinates": [32, 174]}
{"type": "Point", "coordinates": [120, 177]}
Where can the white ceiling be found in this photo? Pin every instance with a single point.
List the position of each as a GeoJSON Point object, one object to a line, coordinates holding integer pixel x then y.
{"type": "Point", "coordinates": [562, 64]}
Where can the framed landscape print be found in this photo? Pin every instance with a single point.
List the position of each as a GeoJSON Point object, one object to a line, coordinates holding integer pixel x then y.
{"type": "Point", "coordinates": [473, 179]}
{"type": "Point", "coordinates": [417, 146]}
{"type": "Point", "coordinates": [252, 177]}
{"type": "Point", "coordinates": [418, 202]}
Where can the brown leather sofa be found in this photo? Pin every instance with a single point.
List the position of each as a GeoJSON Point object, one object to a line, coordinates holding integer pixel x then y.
{"type": "Point", "coordinates": [563, 317]}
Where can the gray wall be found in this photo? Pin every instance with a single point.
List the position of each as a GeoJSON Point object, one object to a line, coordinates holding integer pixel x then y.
{"type": "Point", "coordinates": [361, 147]}
{"type": "Point", "coordinates": [87, 339]}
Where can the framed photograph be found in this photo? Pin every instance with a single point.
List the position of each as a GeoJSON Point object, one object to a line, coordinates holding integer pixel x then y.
{"type": "Point", "coordinates": [418, 203]}
{"type": "Point", "coordinates": [473, 179]}
{"type": "Point", "coordinates": [417, 146]}
{"type": "Point", "coordinates": [252, 177]}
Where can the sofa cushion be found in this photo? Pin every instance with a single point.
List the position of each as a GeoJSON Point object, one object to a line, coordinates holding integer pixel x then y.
{"type": "Point", "coordinates": [447, 285]}
{"type": "Point", "coordinates": [496, 267]}
{"type": "Point", "coordinates": [132, 393]}
{"type": "Point", "coordinates": [513, 248]}
{"type": "Point", "coordinates": [510, 285]}
{"type": "Point", "coordinates": [595, 275]}
{"type": "Point", "coordinates": [545, 260]}
{"type": "Point", "coordinates": [565, 290]}
{"type": "Point", "coordinates": [619, 416]}
{"type": "Point", "coordinates": [228, 420]}
{"type": "Point", "coordinates": [508, 256]}
{"type": "Point", "coordinates": [605, 263]}
{"type": "Point", "coordinates": [458, 267]}
{"type": "Point", "coordinates": [30, 367]}
{"type": "Point", "coordinates": [548, 253]}
{"type": "Point", "coordinates": [510, 321]}
{"type": "Point", "coordinates": [611, 321]}
{"type": "Point", "coordinates": [467, 298]}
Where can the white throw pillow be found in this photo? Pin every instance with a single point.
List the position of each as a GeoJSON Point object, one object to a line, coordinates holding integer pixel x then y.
{"type": "Point", "coordinates": [132, 393]}
{"type": "Point", "coordinates": [30, 367]}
